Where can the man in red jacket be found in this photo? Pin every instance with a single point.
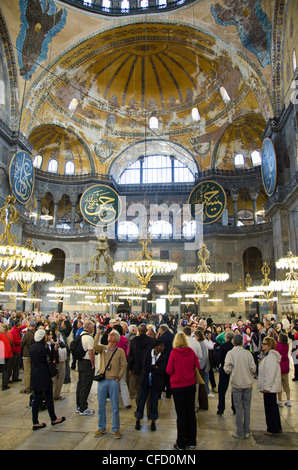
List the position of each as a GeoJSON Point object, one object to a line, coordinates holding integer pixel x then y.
{"type": "Point", "coordinates": [15, 364]}
{"type": "Point", "coordinates": [6, 343]}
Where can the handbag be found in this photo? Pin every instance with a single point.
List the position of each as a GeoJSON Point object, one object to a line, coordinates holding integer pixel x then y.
{"type": "Point", "coordinates": [52, 367]}
{"type": "Point", "coordinates": [100, 377]}
{"type": "Point", "coordinates": [199, 378]}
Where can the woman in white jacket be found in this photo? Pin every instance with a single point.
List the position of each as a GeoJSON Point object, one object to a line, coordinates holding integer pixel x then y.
{"type": "Point", "coordinates": [269, 383]}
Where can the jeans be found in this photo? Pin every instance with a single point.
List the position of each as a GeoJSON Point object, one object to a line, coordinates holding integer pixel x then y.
{"type": "Point", "coordinates": [242, 402]}
{"type": "Point", "coordinates": [108, 388]}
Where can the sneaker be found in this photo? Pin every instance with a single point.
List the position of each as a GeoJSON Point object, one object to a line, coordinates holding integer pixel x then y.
{"type": "Point", "coordinates": [86, 412]}
{"type": "Point", "coordinates": [280, 403]}
{"type": "Point", "coordinates": [117, 434]}
{"type": "Point", "coordinates": [247, 435]}
{"type": "Point", "coordinates": [235, 434]}
{"type": "Point", "coordinates": [210, 395]}
{"type": "Point", "coordinates": [288, 403]}
{"type": "Point", "coordinates": [100, 432]}
{"type": "Point", "coordinates": [177, 448]}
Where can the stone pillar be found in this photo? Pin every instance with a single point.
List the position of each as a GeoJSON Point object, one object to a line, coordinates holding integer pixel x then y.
{"type": "Point", "coordinates": [55, 216]}
{"type": "Point", "coordinates": [234, 197]}
{"type": "Point", "coordinates": [253, 196]}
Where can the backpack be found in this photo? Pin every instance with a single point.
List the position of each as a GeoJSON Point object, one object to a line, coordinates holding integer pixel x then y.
{"type": "Point", "coordinates": [76, 347]}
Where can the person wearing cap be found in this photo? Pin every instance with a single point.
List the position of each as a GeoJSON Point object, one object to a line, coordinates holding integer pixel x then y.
{"type": "Point", "coordinates": [240, 365]}
{"type": "Point", "coordinates": [41, 381]}
{"type": "Point", "coordinates": [26, 342]}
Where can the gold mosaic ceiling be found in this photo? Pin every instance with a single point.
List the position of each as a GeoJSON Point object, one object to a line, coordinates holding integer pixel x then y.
{"type": "Point", "coordinates": [122, 77]}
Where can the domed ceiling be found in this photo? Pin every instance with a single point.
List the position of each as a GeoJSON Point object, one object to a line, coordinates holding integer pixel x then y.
{"type": "Point", "coordinates": [122, 77]}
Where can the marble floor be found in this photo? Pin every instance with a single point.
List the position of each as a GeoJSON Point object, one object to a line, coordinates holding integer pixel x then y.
{"type": "Point", "coordinates": [77, 432]}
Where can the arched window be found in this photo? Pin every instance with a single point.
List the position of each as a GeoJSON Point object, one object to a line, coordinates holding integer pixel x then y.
{"type": "Point", "coordinates": [195, 114]}
{"type": "Point", "coordinates": [106, 4]}
{"type": "Point", "coordinates": [156, 169]}
{"type": "Point", "coordinates": [189, 229]}
{"type": "Point", "coordinates": [224, 94]}
{"type": "Point", "coordinates": [53, 166]}
{"type": "Point", "coordinates": [37, 161]}
{"type": "Point", "coordinates": [239, 160]}
{"type": "Point", "coordinates": [69, 168]}
{"type": "Point", "coordinates": [161, 228]}
{"type": "Point", "coordinates": [127, 229]}
{"type": "Point", "coordinates": [256, 158]}
{"type": "Point", "coordinates": [294, 59]}
{"type": "Point", "coordinates": [153, 122]}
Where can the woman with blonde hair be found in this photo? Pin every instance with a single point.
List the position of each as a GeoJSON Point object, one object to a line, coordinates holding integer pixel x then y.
{"type": "Point", "coordinates": [181, 368]}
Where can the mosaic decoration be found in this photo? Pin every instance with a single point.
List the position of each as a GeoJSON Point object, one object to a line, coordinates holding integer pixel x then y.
{"type": "Point", "coordinates": [268, 167]}
{"type": "Point", "coordinates": [21, 176]}
{"type": "Point", "coordinates": [210, 198]}
{"type": "Point", "coordinates": [252, 23]}
{"type": "Point", "coordinates": [100, 205]}
{"type": "Point", "coordinates": [40, 22]}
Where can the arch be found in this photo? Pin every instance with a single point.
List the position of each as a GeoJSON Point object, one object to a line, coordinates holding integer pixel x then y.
{"type": "Point", "coordinates": [57, 264]}
{"type": "Point", "coordinates": [151, 147]}
{"type": "Point", "coordinates": [252, 262]}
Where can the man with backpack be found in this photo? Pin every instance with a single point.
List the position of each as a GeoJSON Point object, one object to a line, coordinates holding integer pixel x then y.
{"type": "Point", "coordinates": [86, 368]}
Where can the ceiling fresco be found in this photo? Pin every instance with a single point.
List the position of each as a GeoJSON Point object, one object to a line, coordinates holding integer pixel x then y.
{"type": "Point", "coordinates": [121, 73]}
{"type": "Point", "coordinates": [120, 79]}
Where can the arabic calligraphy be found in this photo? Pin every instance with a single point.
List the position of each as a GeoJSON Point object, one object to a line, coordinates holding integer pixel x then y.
{"type": "Point", "coordinates": [100, 205]}
{"type": "Point", "coordinates": [268, 167]}
{"type": "Point", "coordinates": [21, 175]}
{"type": "Point", "coordinates": [208, 200]}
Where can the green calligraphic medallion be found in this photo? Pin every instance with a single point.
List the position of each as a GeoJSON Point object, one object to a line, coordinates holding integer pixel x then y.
{"type": "Point", "coordinates": [268, 167]}
{"type": "Point", "coordinates": [207, 201]}
{"type": "Point", "coordinates": [100, 205]}
{"type": "Point", "coordinates": [21, 176]}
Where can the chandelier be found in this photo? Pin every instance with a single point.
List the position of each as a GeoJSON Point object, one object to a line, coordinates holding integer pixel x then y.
{"type": "Point", "coordinates": [144, 267]}
{"type": "Point", "coordinates": [264, 291]}
{"type": "Point", "coordinates": [27, 276]}
{"type": "Point", "coordinates": [203, 278]}
{"type": "Point", "coordinates": [243, 294]}
{"type": "Point", "coordinates": [289, 285]}
{"type": "Point", "coordinates": [171, 295]}
{"type": "Point", "coordinates": [99, 285]}
{"type": "Point", "coordinates": [13, 256]}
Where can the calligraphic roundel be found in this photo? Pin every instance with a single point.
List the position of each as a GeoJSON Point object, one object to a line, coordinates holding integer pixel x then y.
{"type": "Point", "coordinates": [269, 170]}
{"type": "Point", "coordinates": [207, 202]}
{"type": "Point", "coordinates": [21, 176]}
{"type": "Point", "coordinates": [100, 205]}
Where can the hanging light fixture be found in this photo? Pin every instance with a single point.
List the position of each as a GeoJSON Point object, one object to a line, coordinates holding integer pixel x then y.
{"type": "Point", "coordinates": [100, 283]}
{"type": "Point", "coordinates": [264, 291]}
{"type": "Point", "coordinates": [13, 256]}
{"type": "Point", "coordinates": [144, 267]}
{"type": "Point", "coordinates": [289, 285]}
{"type": "Point", "coordinates": [203, 278]}
{"type": "Point", "coordinates": [171, 295]}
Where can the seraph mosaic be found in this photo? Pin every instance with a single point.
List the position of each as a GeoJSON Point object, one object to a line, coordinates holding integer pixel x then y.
{"type": "Point", "coordinates": [252, 23]}
{"type": "Point", "coordinates": [40, 22]}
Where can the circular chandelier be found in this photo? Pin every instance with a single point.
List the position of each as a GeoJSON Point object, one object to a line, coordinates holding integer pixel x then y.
{"type": "Point", "coordinates": [144, 267]}
{"type": "Point", "coordinates": [99, 285]}
{"type": "Point", "coordinates": [203, 278]}
{"type": "Point", "coordinates": [13, 256]}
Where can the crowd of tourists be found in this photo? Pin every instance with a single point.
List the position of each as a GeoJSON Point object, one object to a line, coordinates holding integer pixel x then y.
{"type": "Point", "coordinates": [140, 357]}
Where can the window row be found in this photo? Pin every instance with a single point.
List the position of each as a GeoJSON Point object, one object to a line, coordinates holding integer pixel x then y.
{"type": "Point", "coordinates": [256, 159]}
{"type": "Point", "coordinates": [156, 169]}
{"type": "Point", "coordinates": [69, 168]}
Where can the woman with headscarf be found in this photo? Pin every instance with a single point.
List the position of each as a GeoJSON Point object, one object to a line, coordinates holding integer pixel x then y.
{"type": "Point", "coordinates": [41, 380]}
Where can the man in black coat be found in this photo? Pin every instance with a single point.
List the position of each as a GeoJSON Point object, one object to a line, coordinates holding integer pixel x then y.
{"type": "Point", "coordinates": [138, 347]}
{"type": "Point", "coordinates": [224, 378]}
{"type": "Point", "coordinates": [167, 338]}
